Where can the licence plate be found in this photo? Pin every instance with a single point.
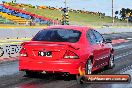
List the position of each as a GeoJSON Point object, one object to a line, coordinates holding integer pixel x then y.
{"type": "Point", "coordinates": [46, 54]}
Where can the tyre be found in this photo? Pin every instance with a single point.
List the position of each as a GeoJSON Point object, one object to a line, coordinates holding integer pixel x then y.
{"type": "Point", "coordinates": [88, 71]}
{"type": "Point", "coordinates": [89, 66]}
{"type": "Point", "coordinates": [111, 63]}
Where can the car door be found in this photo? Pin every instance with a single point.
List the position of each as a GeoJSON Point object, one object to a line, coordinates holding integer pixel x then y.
{"type": "Point", "coordinates": [96, 49]}
{"type": "Point", "coordinates": [103, 48]}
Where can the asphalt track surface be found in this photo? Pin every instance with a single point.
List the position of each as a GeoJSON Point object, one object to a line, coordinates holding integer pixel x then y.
{"type": "Point", "coordinates": [10, 77]}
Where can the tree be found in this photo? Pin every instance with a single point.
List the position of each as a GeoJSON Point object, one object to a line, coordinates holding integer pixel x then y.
{"type": "Point", "coordinates": [123, 13]}
{"type": "Point", "coordinates": [116, 13]}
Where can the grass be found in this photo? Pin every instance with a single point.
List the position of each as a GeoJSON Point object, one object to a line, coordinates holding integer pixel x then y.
{"type": "Point", "coordinates": [75, 18]}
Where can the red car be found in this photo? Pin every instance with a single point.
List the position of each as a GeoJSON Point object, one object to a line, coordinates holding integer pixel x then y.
{"type": "Point", "coordinates": [66, 49]}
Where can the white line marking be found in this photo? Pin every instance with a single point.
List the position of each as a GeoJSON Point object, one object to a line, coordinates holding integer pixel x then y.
{"type": "Point", "coordinates": [119, 47]}
{"type": "Point", "coordinates": [129, 38]}
{"type": "Point", "coordinates": [123, 55]}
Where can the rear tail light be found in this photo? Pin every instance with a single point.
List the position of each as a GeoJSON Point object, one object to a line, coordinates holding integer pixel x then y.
{"type": "Point", "coordinates": [22, 44]}
{"type": "Point", "coordinates": [70, 55]}
{"type": "Point", "coordinates": [23, 52]}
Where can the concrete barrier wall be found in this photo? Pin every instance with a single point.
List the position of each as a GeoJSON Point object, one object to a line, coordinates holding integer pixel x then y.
{"type": "Point", "coordinates": [113, 30]}
{"type": "Point", "coordinates": [30, 32]}
{"type": "Point", "coordinates": [20, 33]}
{"type": "Point", "coordinates": [8, 51]}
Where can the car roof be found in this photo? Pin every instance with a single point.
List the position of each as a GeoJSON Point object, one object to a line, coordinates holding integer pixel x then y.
{"type": "Point", "coordinates": [74, 27]}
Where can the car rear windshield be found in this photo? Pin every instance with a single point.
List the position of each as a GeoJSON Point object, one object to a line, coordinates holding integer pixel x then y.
{"type": "Point", "coordinates": [58, 35]}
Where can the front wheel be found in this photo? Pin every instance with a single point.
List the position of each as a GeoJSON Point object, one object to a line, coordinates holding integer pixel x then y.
{"type": "Point", "coordinates": [111, 63]}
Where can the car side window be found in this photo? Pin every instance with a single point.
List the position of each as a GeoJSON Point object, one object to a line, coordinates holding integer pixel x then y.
{"type": "Point", "coordinates": [91, 37]}
{"type": "Point", "coordinates": [99, 37]}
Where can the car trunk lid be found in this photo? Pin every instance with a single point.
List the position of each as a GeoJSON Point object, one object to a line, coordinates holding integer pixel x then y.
{"type": "Point", "coordinates": [46, 50]}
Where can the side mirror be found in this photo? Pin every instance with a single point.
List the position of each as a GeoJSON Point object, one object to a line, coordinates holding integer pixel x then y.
{"type": "Point", "coordinates": [108, 41]}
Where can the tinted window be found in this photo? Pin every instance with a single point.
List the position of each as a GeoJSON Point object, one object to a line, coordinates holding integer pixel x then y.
{"type": "Point", "coordinates": [58, 35]}
{"type": "Point", "coordinates": [99, 37]}
{"type": "Point", "coordinates": [91, 37]}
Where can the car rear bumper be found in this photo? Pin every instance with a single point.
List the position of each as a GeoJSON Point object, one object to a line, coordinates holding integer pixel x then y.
{"type": "Point", "coordinates": [50, 66]}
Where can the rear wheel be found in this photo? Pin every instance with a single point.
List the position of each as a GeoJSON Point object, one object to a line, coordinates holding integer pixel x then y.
{"type": "Point", "coordinates": [89, 67]}
{"type": "Point", "coordinates": [88, 70]}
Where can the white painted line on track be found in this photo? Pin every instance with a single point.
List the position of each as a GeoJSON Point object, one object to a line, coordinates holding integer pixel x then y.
{"type": "Point", "coordinates": [129, 38]}
{"type": "Point", "coordinates": [123, 55]}
{"type": "Point", "coordinates": [121, 46]}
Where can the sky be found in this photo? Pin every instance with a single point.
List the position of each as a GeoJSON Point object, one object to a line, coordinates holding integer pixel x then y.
{"type": "Point", "coordinates": [103, 6]}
